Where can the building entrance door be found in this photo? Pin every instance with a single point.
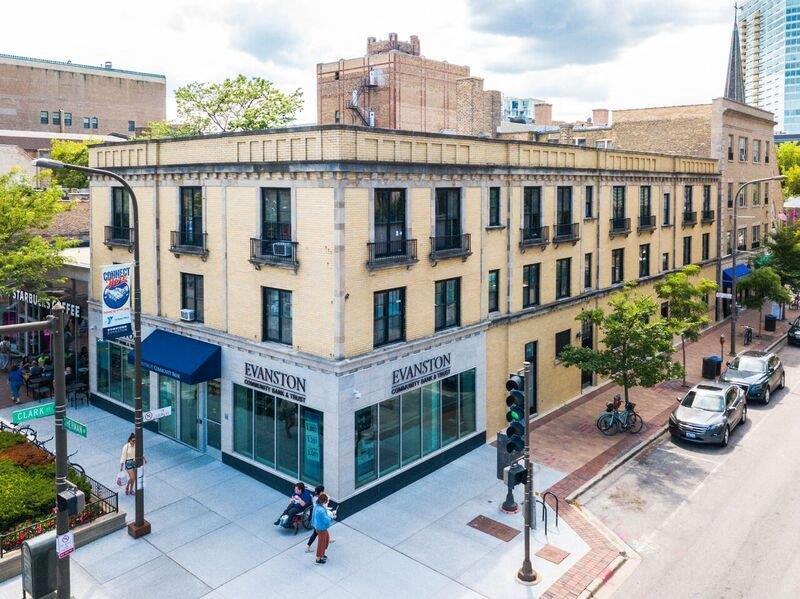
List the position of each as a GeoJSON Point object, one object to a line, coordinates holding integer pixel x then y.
{"type": "Point", "coordinates": [213, 420]}
{"type": "Point", "coordinates": [587, 340]}
{"type": "Point", "coordinates": [183, 424]}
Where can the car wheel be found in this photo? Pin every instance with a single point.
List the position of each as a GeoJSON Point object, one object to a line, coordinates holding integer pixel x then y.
{"type": "Point", "coordinates": [783, 380]}
{"type": "Point", "coordinates": [726, 436]}
{"type": "Point", "coordinates": [766, 396]}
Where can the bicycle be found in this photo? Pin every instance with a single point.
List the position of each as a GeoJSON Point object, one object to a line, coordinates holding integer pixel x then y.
{"type": "Point", "coordinates": [614, 420]}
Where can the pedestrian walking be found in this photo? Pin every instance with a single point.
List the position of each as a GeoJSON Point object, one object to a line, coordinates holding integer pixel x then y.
{"type": "Point", "coordinates": [322, 519]}
{"type": "Point", "coordinates": [15, 381]}
{"type": "Point", "coordinates": [5, 353]}
{"type": "Point", "coordinates": [127, 461]}
{"type": "Point", "coordinates": [317, 491]}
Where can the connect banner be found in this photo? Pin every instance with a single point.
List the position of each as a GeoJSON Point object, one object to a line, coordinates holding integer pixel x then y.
{"type": "Point", "coordinates": [116, 300]}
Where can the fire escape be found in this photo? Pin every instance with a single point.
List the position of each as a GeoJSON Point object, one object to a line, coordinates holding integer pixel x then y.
{"type": "Point", "coordinates": [367, 83]}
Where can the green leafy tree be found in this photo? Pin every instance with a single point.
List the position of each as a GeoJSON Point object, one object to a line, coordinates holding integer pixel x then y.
{"type": "Point", "coordinates": [760, 285]}
{"type": "Point", "coordinates": [789, 164]}
{"type": "Point", "coordinates": [26, 257]}
{"type": "Point", "coordinates": [73, 152]}
{"type": "Point", "coordinates": [161, 129]}
{"type": "Point", "coordinates": [238, 104]}
{"type": "Point", "coordinates": [784, 255]}
{"type": "Point", "coordinates": [688, 310]}
{"type": "Point", "coordinates": [636, 343]}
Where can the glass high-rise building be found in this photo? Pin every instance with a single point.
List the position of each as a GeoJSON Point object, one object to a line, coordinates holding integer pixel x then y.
{"type": "Point", "coordinates": [770, 42]}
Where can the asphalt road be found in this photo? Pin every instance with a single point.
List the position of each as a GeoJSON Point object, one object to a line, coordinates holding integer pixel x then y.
{"type": "Point", "coordinates": [710, 522]}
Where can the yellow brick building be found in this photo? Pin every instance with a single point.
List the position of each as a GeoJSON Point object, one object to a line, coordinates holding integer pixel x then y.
{"type": "Point", "coordinates": [368, 291]}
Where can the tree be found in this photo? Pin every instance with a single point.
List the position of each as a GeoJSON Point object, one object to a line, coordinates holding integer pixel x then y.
{"type": "Point", "coordinates": [760, 285]}
{"type": "Point", "coordinates": [238, 104]}
{"type": "Point", "coordinates": [788, 155]}
{"type": "Point", "coordinates": [688, 310]}
{"type": "Point", "coordinates": [26, 258]}
{"type": "Point", "coordinates": [784, 255]}
{"type": "Point", "coordinates": [161, 129]}
{"type": "Point", "coordinates": [73, 152]}
{"type": "Point", "coordinates": [637, 345]}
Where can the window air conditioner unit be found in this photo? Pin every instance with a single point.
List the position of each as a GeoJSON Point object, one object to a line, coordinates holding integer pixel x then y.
{"type": "Point", "coordinates": [282, 248]}
{"type": "Point", "coordinates": [187, 315]}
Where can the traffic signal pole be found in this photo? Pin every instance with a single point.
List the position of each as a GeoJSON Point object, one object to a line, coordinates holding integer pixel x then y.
{"type": "Point", "coordinates": [526, 574]}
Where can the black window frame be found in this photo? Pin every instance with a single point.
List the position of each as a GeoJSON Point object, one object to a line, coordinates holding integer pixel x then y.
{"type": "Point", "coordinates": [441, 304]}
{"type": "Point", "coordinates": [531, 283]}
{"type": "Point", "coordinates": [618, 207]}
{"type": "Point", "coordinates": [284, 322]}
{"type": "Point", "coordinates": [588, 202]}
{"type": "Point", "coordinates": [587, 270]}
{"type": "Point", "coordinates": [617, 266]}
{"type": "Point", "coordinates": [448, 225]}
{"type": "Point", "coordinates": [389, 221]}
{"type": "Point", "coordinates": [705, 245]}
{"type": "Point", "coordinates": [532, 208]}
{"type": "Point", "coordinates": [494, 293]}
{"type": "Point", "coordinates": [195, 283]}
{"type": "Point", "coordinates": [687, 250]}
{"type": "Point", "coordinates": [666, 209]}
{"type": "Point", "coordinates": [276, 213]}
{"type": "Point", "coordinates": [494, 207]}
{"type": "Point", "coordinates": [645, 202]}
{"type": "Point", "coordinates": [561, 340]}
{"type": "Point", "coordinates": [190, 224]}
{"type": "Point", "coordinates": [120, 214]}
{"type": "Point", "coordinates": [87, 124]}
{"type": "Point", "coordinates": [44, 117]}
{"type": "Point", "coordinates": [644, 260]}
{"type": "Point", "coordinates": [688, 198]}
{"type": "Point", "coordinates": [56, 118]}
{"type": "Point", "coordinates": [564, 211]}
{"type": "Point", "coordinates": [382, 319]}
{"type": "Point", "coordinates": [563, 278]}
{"type": "Point", "coordinates": [706, 198]}
{"type": "Point", "coordinates": [731, 141]}
{"type": "Point", "coordinates": [95, 122]}
{"type": "Point", "coordinates": [665, 261]}
{"type": "Point", "coordinates": [131, 126]}
{"type": "Point", "coordinates": [68, 119]}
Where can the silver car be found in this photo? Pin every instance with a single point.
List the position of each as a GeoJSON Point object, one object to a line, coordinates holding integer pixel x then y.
{"type": "Point", "coordinates": [708, 413]}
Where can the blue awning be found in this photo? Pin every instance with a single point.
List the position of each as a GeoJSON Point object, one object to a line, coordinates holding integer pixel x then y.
{"type": "Point", "coordinates": [188, 360]}
{"type": "Point", "coordinates": [741, 270]}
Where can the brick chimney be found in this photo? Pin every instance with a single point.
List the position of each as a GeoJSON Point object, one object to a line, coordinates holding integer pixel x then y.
{"type": "Point", "coordinates": [566, 133]}
{"type": "Point", "coordinates": [543, 114]}
{"type": "Point", "coordinates": [600, 116]}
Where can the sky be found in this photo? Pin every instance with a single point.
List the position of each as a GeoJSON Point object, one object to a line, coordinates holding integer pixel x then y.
{"type": "Point", "coordinates": [576, 54]}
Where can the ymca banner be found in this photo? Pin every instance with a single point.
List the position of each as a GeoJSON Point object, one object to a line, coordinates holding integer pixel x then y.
{"type": "Point", "coordinates": [116, 300]}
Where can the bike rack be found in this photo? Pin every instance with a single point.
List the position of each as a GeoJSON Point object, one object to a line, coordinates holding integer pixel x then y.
{"type": "Point", "coordinates": [553, 495]}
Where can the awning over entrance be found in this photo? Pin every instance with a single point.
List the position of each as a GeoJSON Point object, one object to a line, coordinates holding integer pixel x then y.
{"type": "Point", "coordinates": [188, 360]}
{"type": "Point", "coordinates": [727, 274]}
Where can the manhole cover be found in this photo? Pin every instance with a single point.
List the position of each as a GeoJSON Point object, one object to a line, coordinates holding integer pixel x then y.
{"type": "Point", "coordinates": [552, 554]}
{"type": "Point", "coordinates": [494, 528]}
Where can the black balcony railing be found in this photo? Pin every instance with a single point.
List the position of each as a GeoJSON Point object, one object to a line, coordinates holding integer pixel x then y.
{"type": "Point", "coordinates": [707, 216]}
{"type": "Point", "coordinates": [647, 221]}
{"type": "Point", "coordinates": [690, 218]}
{"type": "Point", "coordinates": [755, 245]}
{"type": "Point", "coordinates": [448, 246]}
{"type": "Point", "coordinates": [122, 236]}
{"type": "Point", "coordinates": [620, 225]}
{"type": "Point", "coordinates": [273, 251]}
{"type": "Point", "coordinates": [566, 232]}
{"type": "Point", "coordinates": [188, 242]}
{"type": "Point", "coordinates": [529, 236]}
{"type": "Point", "coordinates": [386, 253]}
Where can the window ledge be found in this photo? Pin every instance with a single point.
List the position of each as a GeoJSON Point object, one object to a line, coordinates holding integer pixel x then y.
{"type": "Point", "coordinates": [495, 227]}
{"type": "Point", "coordinates": [585, 218]}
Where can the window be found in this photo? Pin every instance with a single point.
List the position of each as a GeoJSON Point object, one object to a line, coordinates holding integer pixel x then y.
{"type": "Point", "coordinates": [756, 150]}
{"type": "Point", "coordinates": [563, 267]}
{"type": "Point", "coordinates": [192, 294]}
{"type": "Point", "coordinates": [644, 260]}
{"type": "Point", "coordinates": [755, 236]}
{"type": "Point", "coordinates": [131, 126]}
{"type": "Point", "coordinates": [337, 117]}
{"type": "Point", "coordinates": [564, 212]}
{"type": "Point", "coordinates": [191, 216]}
{"type": "Point", "coordinates": [530, 285]}
{"type": "Point", "coordinates": [494, 290]}
{"type": "Point", "coordinates": [532, 209]}
{"type": "Point", "coordinates": [276, 315]}
{"type": "Point", "coordinates": [665, 261]}
{"type": "Point", "coordinates": [494, 206]}
{"type": "Point", "coordinates": [56, 118]}
{"type": "Point", "coordinates": [618, 203]}
{"type": "Point", "coordinates": [742, 195]}
{"type": "Point", "coordinates": [730, 195]}
{"type": "Point", "coordinates": [766, 193]}
{"type": "Point", "coordinates": [404, 428]}
{"type": "Point", "coordinates": [390, 222]}
{"type": "Point", "coordinates": [588, 204]}
{"type": "Point", "coordinates": [563, 339]}
{"type": "Point", "coordinates": [645, 208]}
{"type": "Point", "coordinates": [278, 433]}
{"type": "Point", "coordinates": [687, 199]}
{"type": "Point", "coordinates": [687, 250]}
{"type": "Point", "coordinates": [389, 316]}
{"type": "Point", "coordinates": [587, 271]}
{"type": "Point", "coordinates": [44, 117]}
{"type": "Point", "coordinates": [115, 375]}
{"type": "Point", "coordinates": [120, 214]}
{"type": "Point", "coordinates": [756, 196]}
{"type": "Point", "coordinates": [86, 124]}
{"type": "Point", "coordinates": [706, 198]}
{"type": "Point", "coordinates": [617, 265]}
{"type": "Point", "coordinates": [742, 149]}
{"type": "Point", "coordinates": [706, 246]}
{"type": "Point", "coordinates": [448, 218]}
{"type": "Point", "coordinates": [276, 214]}
{"type": "Point", "coordinates": [68, 119]}
{"type": "Point", "coordinates": [447, 303]}
{"type": "Point", "coordinates": [766, 152]}
{"type": "Point", "coordinates": [728, 246]}
{"type": "Point", "coordinates": [665, 210]}
{"type": "Point", "coordinates": [664, 309]}
{"type": "Point", "coordinates": [95, 123]}
{"type": "Point", "coordinates": [730, 147]}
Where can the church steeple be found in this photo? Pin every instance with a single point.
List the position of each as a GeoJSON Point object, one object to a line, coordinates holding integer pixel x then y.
{"type": "Point", "coordinates": [734, 85]}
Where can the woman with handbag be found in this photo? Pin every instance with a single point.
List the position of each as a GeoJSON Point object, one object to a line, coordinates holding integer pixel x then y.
{"type": "Point", "coordinates": [128, 461]}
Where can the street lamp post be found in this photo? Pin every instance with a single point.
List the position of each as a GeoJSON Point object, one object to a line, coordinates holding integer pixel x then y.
{"type": "Point", "coordinates": [735, 249]}
{"type": "Point", "coordinates": [139, 527]}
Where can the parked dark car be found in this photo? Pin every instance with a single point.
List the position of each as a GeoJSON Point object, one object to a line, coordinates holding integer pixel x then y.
{"type": "Point", "coordinates": [793, 336]}
{"type": "Point", "coordinates": [758, 373]}
{"type": "Point", "coordinates": [708, 413]}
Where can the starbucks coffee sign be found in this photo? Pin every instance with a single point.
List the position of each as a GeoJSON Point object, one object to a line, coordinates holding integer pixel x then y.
{"type": "Point", "coordinates": [420, 373]}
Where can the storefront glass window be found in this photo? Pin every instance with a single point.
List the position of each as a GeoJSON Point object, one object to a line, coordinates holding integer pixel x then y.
{"type": "Point", "coordinates": [431, 418]}
{"type": "Point", "coordinates": [286, 436]}
{"type": "Point", "coordinates": [188, 413]}
{"type": "Point", "coordinates": [117, 355]}
{"type": "Point", "coordinates": [389, 435]}
{"type": "Point", "coordinates": [466, 388]}
{"type": "Point", "coordinates": [449, 409]}
{"type": "Point", "coordinates": [366, 452]}
{"type": "Point", "coordinates": [311, 449]}
{"type": "Point", "coordinates": [242, 420]}
{"type": "Point", "coordinates": [103, 367]}
{"type": "Point", "coordinates": [213, 414]}
{"type": "Point", "coordinates": [168, 396]}
{"type": "Point", "coordinates": [412, 430]}
{"type": "Point", "coordinates": [128, 375]}
{"type": "Point", "coordinates": [115, 375]}
{"type": "Point", "coordinates": [264, 433]}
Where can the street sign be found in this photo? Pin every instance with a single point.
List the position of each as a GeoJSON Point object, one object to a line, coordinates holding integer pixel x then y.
{"type": "Point", "coordinates": [45, 409]}
{"type": "Point", "coordinates": [65, 544]}
{"type": "Point", "coordinates": [722, 295]}
{"type": "Point", "coordinates": [75, 427]}
{"type": "Point", "coordinates": [156, 414]}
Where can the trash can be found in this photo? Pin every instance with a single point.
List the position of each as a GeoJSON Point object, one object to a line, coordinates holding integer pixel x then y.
{"type": "Point", "coordinates": [769, 323]}
{"type": "Point", "coordinates": [712, 366]}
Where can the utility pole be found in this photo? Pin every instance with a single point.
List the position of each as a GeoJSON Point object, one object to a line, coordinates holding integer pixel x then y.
{"type": "Point", "coordinates": [526, 574]}
{"type": "Point", "coordinates": [56, 319]}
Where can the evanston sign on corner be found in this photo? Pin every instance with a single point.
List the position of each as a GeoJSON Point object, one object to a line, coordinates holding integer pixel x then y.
{"type": "Point", "coordinates": [420, 373]}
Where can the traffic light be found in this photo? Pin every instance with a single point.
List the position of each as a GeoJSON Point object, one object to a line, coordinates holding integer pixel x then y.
{"type": "Point", "coordinates": [514, 475]}
{"type": "Point", "coordinates": [515, 385]}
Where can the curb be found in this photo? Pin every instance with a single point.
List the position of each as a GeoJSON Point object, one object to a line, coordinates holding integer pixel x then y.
{"type": "Point", "coordinates": [601, 580]}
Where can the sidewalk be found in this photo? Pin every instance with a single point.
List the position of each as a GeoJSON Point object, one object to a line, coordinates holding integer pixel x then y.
{"type": "Point", "coordinates": [567, 440]}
